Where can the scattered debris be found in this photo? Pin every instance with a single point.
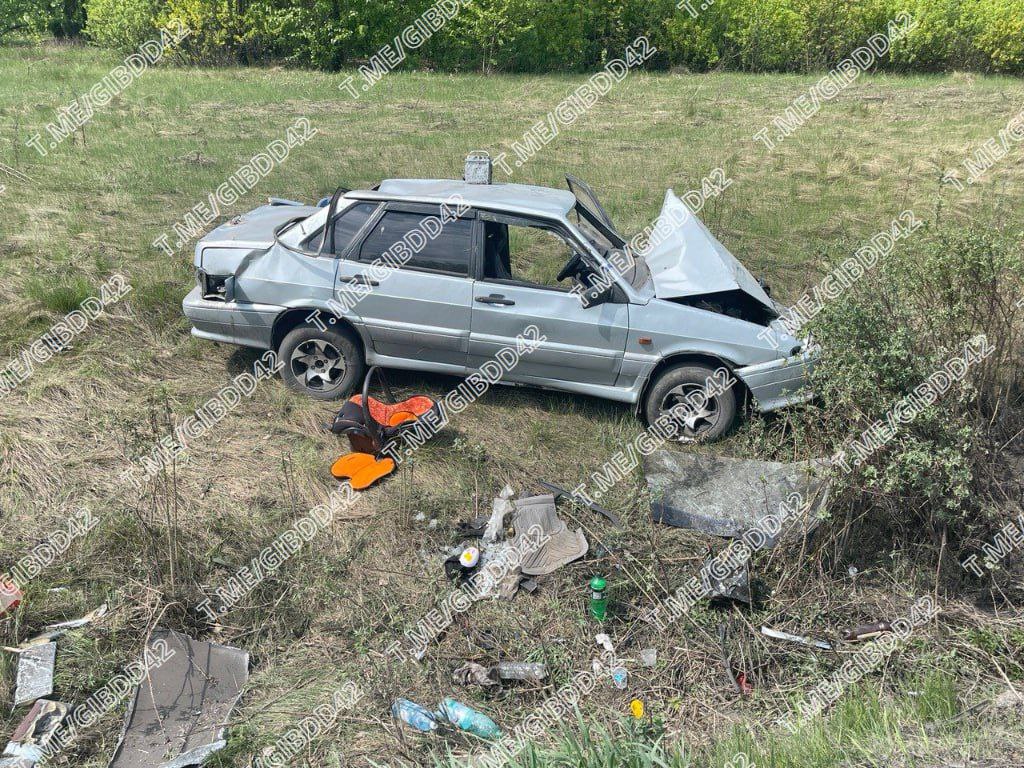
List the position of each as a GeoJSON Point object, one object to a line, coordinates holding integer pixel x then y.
{"type": "Point", "coordinates": [179, 710]}
{"type": "Point", "coordinates": [25, 748]}
{"type": "Point", "coordinates": [53, 631]}
{"type": "Point", "coordinates": [605, 642]}
{"type": "Point", "coordinates": [867, 631]}
{"type": "Point", "coordinates": [561, 547]}
{"type": "Point", "coordinates": [474, 528]}
{"type": "Point", "coordinates": [501, 507]}
{"type": "Point", "coordinates": [89, 618]}
{"type": "Point", "coordinates": [734, 586]}
{"type": "Point", "coordinates": [413, 715]}
{"type": "Point", "coordinates": [560, 493]}
{"type": "Point", "coordinates": [649, 657]}
{"type": "Point", "coordinates": [472, 673]}
{"type": "Point", "coordinates": [801, 639]}
{"type": "Point", "coordinates": [35, 673]}
{"type": "Point", "coordinates": [725, 497]}
{"type": "Point", "coordinates": [727, 660]}
{"type": "Point", "coordinates": [449, 712]}
{"type": "Point", "coordinates": [598, 598]}
{"type": "Point", "coordinates": [10, 596]}
{"type": "Point", "coordinates": [620, 677]}
{"type": "Point", "coordinates": [461, 564]}
{"type": "Point", "coordinates": [468, 719]}
{"type": "Point", "coordinates": [521, 670]}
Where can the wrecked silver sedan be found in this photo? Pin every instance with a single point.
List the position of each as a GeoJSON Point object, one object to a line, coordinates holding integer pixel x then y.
{"type": "Point", "coordinates": [439, 275]}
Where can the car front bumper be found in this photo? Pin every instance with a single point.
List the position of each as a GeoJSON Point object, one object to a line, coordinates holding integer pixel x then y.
{"type": "Point", "coordinates": [779, 383]}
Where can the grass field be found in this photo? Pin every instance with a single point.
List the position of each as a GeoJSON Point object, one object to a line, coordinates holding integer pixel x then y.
{"type": "Point", "coordinates": [93, 206]}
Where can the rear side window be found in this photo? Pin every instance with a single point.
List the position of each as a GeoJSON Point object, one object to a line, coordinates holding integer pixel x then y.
{"type": "Point", "coordinates": [418, 241]}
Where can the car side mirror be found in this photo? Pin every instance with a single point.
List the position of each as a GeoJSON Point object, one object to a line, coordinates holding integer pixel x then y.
{"type": "Point", "coordinates": [592, 297]}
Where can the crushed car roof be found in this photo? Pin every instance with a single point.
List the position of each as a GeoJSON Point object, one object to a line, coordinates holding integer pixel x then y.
{"type": "Point", "coordinates": [519, 198]}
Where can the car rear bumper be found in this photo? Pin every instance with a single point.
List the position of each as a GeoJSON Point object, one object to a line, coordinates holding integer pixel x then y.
{"type": "Point", "coordinates": [779, 383]}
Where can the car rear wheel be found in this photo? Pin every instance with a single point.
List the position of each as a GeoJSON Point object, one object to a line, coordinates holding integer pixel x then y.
{"type": "Point", "coordinates": [322, 364]}
{"type": "Point", "coordinates": [707, 413]}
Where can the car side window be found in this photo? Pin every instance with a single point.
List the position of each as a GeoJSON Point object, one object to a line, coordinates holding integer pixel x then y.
{"type": "Point", "coordinates": [419, 241]}
{"type": "Point", "coordinates": [346, 224]}
{"type": "Point", "coordinates": [525, 254]}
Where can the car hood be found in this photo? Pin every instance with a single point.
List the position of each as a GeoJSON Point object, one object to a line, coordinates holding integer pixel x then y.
{"type": "Point", "coordinates": [685, 259]}
{"type": "Point", "coordinates": [255, 229]}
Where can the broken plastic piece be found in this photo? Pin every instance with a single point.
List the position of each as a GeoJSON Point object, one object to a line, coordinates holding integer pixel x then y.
{"type": "Point", "coordinates": [178, 711]}
{"type": "Point", "coordinates": [620, 677]}
{"type": "Point", "coordinates": [500, 507]}
{"type": "Point", "coordinates": [33, 733]}
{"type": "Point", "coordinates": [735, 585]}
{"type": "Point", "coordinates": [35, 673]}
{"type": "Point", "coordinates": [76, 623]}
{"type": "Point", "coordinates": [10, 596]}
{"type": "Point", "coordinates": [649, 657]}
{"type": "Point", "coordinates": [800, 639]}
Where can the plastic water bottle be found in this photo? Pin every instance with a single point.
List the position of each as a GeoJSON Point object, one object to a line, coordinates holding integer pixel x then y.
{"type": "Point", "coordinates": [521, 670]}
{"type": "Point", "coordinates": [468, 719]}
{"type": "Point", "coordinates": [413, 714]}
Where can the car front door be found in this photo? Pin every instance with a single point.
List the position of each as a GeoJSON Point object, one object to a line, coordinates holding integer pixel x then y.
{"type": "Point", "coordinates": [409, 281]}
{"type": "Point", "coordinates": [517, 286]}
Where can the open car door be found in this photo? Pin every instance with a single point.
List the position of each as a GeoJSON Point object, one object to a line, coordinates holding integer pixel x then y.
{"type": "Point", "coordinates": [585, 196]}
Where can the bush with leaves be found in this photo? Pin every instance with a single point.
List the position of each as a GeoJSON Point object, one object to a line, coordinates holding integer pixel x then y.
{"type": "Point", "coordinates": [915, 310]}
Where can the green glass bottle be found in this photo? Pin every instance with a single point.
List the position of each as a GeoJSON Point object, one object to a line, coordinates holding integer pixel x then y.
{"type": "Point", "coordinates": [598, 598]}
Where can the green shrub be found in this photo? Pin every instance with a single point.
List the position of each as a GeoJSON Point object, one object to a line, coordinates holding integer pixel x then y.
{"type": "Point", "coordinates": [762, 36]}
{"type": "Point", "coordinates": [999, 32]}
{"type": "Point", "coordinates": [566, 35]}
{"type": "Point", "coordinates": [893, 329]}
{"type": "Point", "coordinates": [120, 24]}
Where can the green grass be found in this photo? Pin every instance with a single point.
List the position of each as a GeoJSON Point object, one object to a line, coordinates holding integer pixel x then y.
{"type": "Point", "coordinates": [95, 204]}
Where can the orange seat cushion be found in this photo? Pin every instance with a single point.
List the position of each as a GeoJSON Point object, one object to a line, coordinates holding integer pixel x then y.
{"type": "Point", "coordinates": [407, 410]}
{"type": "Point", "coordinates": [361, 469]}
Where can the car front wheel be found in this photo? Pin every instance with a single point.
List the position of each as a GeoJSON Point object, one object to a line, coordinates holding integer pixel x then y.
{"type": "Point", "coordinates": [323, 364]}
{"type": "Point", "coordinates": [690, 396]}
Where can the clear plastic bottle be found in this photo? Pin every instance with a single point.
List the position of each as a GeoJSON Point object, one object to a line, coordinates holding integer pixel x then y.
{"type": "Point", "coordinates": [468, 719]}
{"type": "Point", "coordinates": [521, 670]}
{"type": "Point", "coordinates": [420, 718]}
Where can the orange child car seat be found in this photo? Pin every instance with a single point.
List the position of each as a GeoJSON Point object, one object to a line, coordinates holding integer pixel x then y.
{"type": "Point", "coordinates": [372, 427]}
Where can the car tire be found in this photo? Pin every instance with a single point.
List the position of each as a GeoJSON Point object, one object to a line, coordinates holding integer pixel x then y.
{"type": "Point", "coordinates": [324, 364]}
{"type": "Point", "coordinates": [714, 416]}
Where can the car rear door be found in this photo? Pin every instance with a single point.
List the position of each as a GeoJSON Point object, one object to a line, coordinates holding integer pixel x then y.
{"type": "Point", "coordinates": [409, 280]}
{"type": "Point", "coordinates": [582, 345]}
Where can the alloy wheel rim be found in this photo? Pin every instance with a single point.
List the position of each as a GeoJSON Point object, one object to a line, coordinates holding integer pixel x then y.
{"type": "Point", "coordinates": [318, 364]}
{"type": "Point", "coordinates": [701, 413]}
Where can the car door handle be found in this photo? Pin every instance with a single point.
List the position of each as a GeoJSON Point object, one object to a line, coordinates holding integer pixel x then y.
{"type": "Point", "coordinates": [361, 279]}
{"type": "Point", "coordinates": [495, 298]}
